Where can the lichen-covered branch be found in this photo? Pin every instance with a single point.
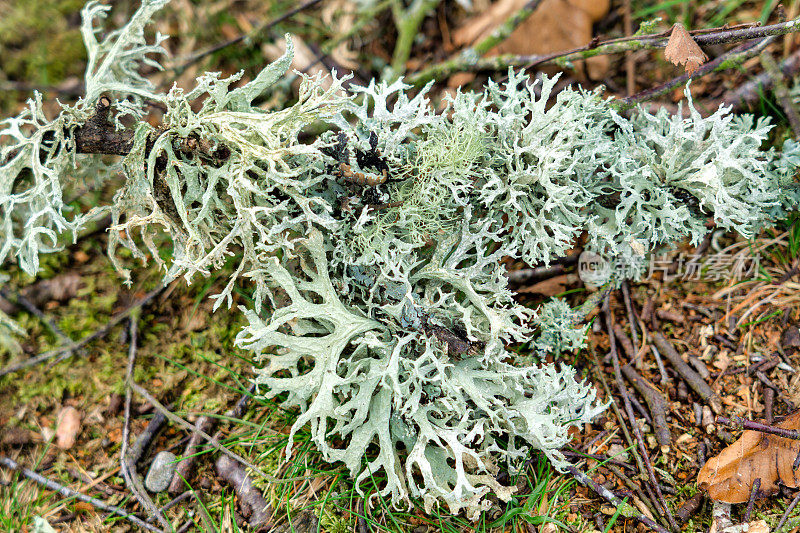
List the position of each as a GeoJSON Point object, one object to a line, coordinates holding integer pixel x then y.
{"type": "Point", "coordinates": [470, 61]}
{"type": "Point", "coordinates": [373, 251]}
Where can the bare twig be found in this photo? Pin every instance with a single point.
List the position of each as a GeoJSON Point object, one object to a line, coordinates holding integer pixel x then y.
{"type": "Point", "coordinates": [175, 419]}
{"type": "Point", "coordinates": [733, 57]}
{"type": "Point", "coordinates": [595, 48]}
{"type": "Point", "coordinates": [632, 486]}
{"type": "Point", "coordinates": [129, 457]}
{"type": "Point", "coordinates": [250, 498]}
{"type": "Point", "coordinates": [612, 499]}
{"type": "Point", "coordinates": [739, 422]}
{"type": "Point", "coordinates": [192, 451]}
{"type": "Point", "coordinates": [662, 371]}
{"type": "Point", "coordinates": [787, 513]}
{"type": "Point", "coordinates": [629, 410]}
{"type": "Point", "coordinates": [31, 308]}
{"type": "Point", "coordinates": [769, 401]}
{"type": "Point", "coordinates": [655, 402]}
{"type": "Point", "coordinates": [691, 377]}
{"type": "Point", "coordinates": [69, 493]}
{"type": "Point", "coordinates": [183, 470]}
{"type": "Point", "coordinates": [690, 507]}
{"type": "Point", "coordinates": [249, 36]}
{"type": "Point", "coordinates": [626, 296]}
{"type": "Point", "coordinates": [752, 500]}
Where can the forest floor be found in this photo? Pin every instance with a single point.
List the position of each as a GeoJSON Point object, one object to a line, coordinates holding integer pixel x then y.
{"type": "Point", "coordinates": [729, 307]}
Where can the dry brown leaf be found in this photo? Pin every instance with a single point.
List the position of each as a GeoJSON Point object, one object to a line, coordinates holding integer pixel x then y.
{"type": "Point", "coordinates": [67, 427]}
{"type": "Point", "coordinates": [556, 25]}
{"type": "Point", "coordinates": [551, 286]}
{"type": "Point", "coordinates": [729, 476]}
{"type": "Point", "coordinates": [682, 50]}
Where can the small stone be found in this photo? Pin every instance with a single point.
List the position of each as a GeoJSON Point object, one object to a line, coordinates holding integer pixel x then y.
{"type": "Point", "coordinates": [160, 473]}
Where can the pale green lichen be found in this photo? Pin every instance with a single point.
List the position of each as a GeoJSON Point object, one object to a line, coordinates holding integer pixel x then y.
{"type": "Point", "coordinates": [382, 312]}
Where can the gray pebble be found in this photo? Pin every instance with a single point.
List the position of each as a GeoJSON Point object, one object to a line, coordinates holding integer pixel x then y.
{"type": "Point", "coordinates": [160, 473]}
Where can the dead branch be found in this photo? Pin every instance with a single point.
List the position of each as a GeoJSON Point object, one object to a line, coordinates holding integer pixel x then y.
{"type": "Point", "coordinates": [694, 380]}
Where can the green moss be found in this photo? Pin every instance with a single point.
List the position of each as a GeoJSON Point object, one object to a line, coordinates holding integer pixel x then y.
{"type": "Point", "coordinates": [41, 42]}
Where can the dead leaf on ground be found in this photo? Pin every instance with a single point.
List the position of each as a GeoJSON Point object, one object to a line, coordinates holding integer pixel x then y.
{"type": "Point", "coordinates": [551, 286]}
{"type": "Point", "coordinates": [556, 25]}
{"type": "Point", "coordinates": [729, 476]}
{"type": "Point", "coordinates": [61, 288]}
{"type": "Point", "coordinates": [681, 49]}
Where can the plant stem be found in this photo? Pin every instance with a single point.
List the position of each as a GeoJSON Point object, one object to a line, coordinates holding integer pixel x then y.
{"type": "Point", "coordinates": [407, 22]}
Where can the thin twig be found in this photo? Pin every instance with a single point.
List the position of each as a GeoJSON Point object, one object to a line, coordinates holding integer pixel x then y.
{"type": "Point", "coordinates": [725, 61]}
{"type": "Point", "coordinates": [595, 48]}
{"type": "Point", "coordinates": [252, 34]}
{"type": "Point", "coordinates": [632, 486]}
{"type": "Point", "coordinates": [175, 419]}
{"type": "Point", "coordinates": [128, 458]}
{"type": "Point", "coordinates": [743, 423]}
{"type": "Point", "coordinates": [786, 513]}
{"type": "Point", "coordinates": [612, 499]}
{"type": "Point", "coordinates": [629, 410]}
{"type": "Point", "coordinates": [192, 451]}
{"type": "Point", "coordinates": [656, 403]}
{"type": "Point", "coordinates": [31, 308]}
{"type": "Point", "coordinates": [752, 500]}
{"type": "Point", "coordinates": [626, 296]}
{"type": "Point", "coordinates": [692, 378]}
{"type": "Point", "coordinates": [69, 493]}
{"type": "Point", "coordinates": [74, 346]}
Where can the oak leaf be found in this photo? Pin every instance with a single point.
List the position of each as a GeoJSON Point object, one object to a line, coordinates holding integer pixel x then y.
{"type": "Point", "coordinates": [729, 476]}
{"type": "Point", "coordinates": [681, 49]}
{"type": "Point", "coordinates": [556, 25]}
